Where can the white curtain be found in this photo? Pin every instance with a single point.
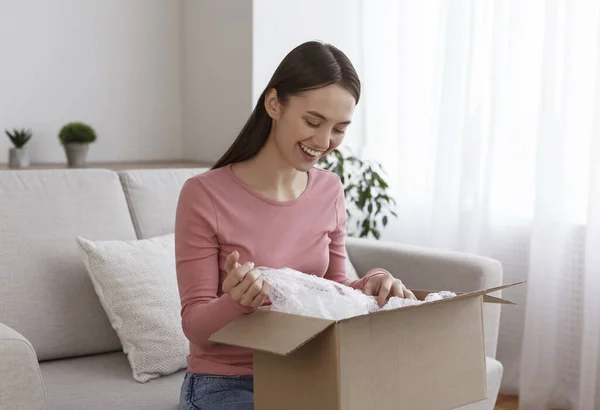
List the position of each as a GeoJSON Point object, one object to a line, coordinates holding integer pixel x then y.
{"type": "Point", "coordinates": [486, 116]}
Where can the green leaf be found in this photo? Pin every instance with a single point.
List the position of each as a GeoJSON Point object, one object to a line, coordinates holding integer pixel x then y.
{"type": "Point", "coordinates": [365, 188]}
{"type": "Point", "coordinates": [375, 234]}
{"type": "Point", "coordinates": [364, 232]}
{"type": "Point", "coordinates": [381, 182]}
{"type": "Point", "coordinates": [78, 132]}
{"type": "Point", "coordinates": [362, 198]}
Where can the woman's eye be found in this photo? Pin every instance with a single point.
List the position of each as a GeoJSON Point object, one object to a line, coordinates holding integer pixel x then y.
{"type": "Point", "coordinates": [310, 124]}
{"type": "Point", "coordinates": [338, 131]}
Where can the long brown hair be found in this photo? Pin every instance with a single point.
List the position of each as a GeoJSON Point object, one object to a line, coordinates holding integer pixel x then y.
{"type": "Point", "coordinates": [308, 66]}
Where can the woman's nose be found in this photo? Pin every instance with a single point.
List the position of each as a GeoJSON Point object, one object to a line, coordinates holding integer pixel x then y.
{"type": "Point", "coordinates": [322, 140]}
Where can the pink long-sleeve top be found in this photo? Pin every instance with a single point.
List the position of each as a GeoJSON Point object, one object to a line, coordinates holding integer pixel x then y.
{"type": "Point", "coordinates": [217, 214]}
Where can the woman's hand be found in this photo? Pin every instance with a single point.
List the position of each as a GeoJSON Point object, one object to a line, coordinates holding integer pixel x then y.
{"type": "Point", "coordinates": [244, 283]}
{"type": "Point", "coordinates": [385, 286]}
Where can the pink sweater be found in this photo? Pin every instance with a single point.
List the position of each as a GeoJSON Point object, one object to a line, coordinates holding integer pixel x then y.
{"type": "Point", "coordinates": [217, 214]}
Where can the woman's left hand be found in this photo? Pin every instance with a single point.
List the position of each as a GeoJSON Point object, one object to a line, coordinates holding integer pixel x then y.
{"type": "Point", "coordinates": [385, 286]}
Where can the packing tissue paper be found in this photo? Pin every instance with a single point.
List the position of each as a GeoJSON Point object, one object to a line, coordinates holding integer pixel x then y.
{"type": "Point", "coordinates": [298, 293]}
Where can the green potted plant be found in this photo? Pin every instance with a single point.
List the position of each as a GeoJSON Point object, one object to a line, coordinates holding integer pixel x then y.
{"type": "Point", "coordinates": [368, 202]}
{"type": "Point", "coordinates": [17, 155]}
{"type": "Point", "coordinates": [76, 137]}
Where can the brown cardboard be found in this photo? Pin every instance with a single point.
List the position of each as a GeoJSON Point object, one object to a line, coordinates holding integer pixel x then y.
{"type": "Point", "coordinates": [427, 356]}
{"type": "Point", "coordinates": [271, 332]}
{"type": "Point", "coordinates": [306, 379]}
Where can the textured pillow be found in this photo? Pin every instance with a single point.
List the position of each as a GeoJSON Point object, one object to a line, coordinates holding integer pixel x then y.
{"type": "Point", "coordinates": [136, 283]}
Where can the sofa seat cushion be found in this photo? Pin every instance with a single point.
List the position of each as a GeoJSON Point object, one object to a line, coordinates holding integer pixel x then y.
{"type": "Point", "coordinates": [102, 382]}
{"type": "Point", "coordinates": [494, 370]}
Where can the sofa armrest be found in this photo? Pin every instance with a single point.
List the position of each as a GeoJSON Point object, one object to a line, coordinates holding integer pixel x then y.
{"type": "Point", "coordinates": [431, 269]}
{"type": "Point", "coordinates": [21, 386]}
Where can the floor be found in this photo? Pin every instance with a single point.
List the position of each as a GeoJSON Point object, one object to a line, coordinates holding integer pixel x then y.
{"type": "Point", "coordinates": [507, 403]}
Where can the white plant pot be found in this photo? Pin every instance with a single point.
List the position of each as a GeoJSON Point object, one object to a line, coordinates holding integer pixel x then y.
{"type": "Point", "coordinates": [76, 154]}
{"type": "Point", "coordinates": [18, 158]}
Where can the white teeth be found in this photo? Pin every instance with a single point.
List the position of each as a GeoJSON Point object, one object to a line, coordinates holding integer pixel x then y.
{"type": "Point", "coordinates": [310, 151]}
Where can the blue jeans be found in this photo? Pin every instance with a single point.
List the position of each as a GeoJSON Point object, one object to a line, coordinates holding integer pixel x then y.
{"type": "Point", "coordinates": [213, 392]}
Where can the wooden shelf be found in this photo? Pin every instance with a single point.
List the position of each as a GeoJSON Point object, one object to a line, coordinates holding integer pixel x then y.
{"type": "Point", "coordinates": [119, 166]}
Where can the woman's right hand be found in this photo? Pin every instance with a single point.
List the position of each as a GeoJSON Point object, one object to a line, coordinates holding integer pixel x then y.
{"type": "Point", "coordinates": [244, 284]}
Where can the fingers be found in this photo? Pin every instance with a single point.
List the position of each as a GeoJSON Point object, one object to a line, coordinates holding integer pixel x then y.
{"type": "Point", "coordinates": [391, 287]}
{"type": "Point", "coordinates": [259, 299]}
{"type": "Point", "coordinates": [398, 289]}
{"type": "Point", "coordinates": [247, 284]}
{"type": "Point", "coordinates": [401, 291]}
{"type": "Point", "coordinates": [244, 283]}
{"type": "Point", "coordinates": [253, 290]}
{"type": "Point", "coordinates": [232, 261]}
{"type": "Point", "coordinates": [384, 290]}
{"type": "Point", "coordinates": [236, 276]}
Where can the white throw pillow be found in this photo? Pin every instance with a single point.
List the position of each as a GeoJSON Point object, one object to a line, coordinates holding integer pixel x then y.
{"type": "Point", "coordinates": [136, 283]}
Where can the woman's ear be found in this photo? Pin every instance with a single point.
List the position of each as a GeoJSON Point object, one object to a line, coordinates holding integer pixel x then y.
{"type": "Point", "coordinates": [272, 104]}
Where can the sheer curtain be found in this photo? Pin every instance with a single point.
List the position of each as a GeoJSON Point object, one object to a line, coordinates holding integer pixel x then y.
{"type": "Point", "coordinates": [486, 116]}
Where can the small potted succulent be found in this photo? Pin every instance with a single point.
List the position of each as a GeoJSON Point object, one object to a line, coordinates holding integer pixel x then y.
{"type": "Point", "coordinates": [17, 155]}
{"type": "Point", "coordinates": [76, 137]}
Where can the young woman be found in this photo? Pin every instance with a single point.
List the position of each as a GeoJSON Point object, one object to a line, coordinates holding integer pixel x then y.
{"type": "Point", "coordinates": [264, 204]}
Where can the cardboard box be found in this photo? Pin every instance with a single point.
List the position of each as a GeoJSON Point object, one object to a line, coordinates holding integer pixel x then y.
{"type": "Point", "coordinates": [427, 356]}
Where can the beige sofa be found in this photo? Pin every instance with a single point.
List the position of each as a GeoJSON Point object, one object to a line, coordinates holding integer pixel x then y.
{"type": "Point", "coordinates": [57, 348]}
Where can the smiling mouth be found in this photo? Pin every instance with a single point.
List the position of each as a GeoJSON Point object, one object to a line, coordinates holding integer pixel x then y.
{"type": "Point", "coordinates": [313, 153]}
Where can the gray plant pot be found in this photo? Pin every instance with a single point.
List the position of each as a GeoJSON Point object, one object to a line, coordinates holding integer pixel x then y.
{"type": "Point", "coordinates": [18, 158]}
{"type": "Point", "coordinates": [76, 154]}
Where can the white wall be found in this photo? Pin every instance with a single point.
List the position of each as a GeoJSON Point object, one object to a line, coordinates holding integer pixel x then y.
{"type": "Point", "coordinates": [281, 25]}
{"type": "Point", "coordinates": [230, 50]}
{"type": "Point", "coordinates": [217, 74]}
{"type": "Point", "coordinates": [158, 79]}
{"type": "Point", "coordinates": [112, 63]}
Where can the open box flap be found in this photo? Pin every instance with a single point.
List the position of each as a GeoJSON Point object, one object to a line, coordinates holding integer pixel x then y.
{"type": "Point", "coordinates": [420, 294]}
{"type": "Point", "coordinates": [487, 298]}
{"type": "Point", "coordinates": [493, 299]}
{"type": "Point", "coordinates": [273, 332]}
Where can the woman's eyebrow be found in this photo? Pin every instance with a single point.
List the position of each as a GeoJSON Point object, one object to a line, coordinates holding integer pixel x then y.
{"type": "Point", "coordinates": [321, 116]}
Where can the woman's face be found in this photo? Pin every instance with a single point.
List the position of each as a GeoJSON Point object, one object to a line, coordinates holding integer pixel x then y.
{"type": "Point", "coordinates": [311, 124]}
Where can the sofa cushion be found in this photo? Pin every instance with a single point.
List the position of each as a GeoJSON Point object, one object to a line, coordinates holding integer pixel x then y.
{"type": "Point", "coordinates": [45, 291]}
{"type": "Point", "coordinates": [152, 197]}
{"type": "Point", "coordinates": [102, 382]}
{"type": "Point", "coordinates": [136, 283]}
{"type": "Point", "coordinates": [494, 372]}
